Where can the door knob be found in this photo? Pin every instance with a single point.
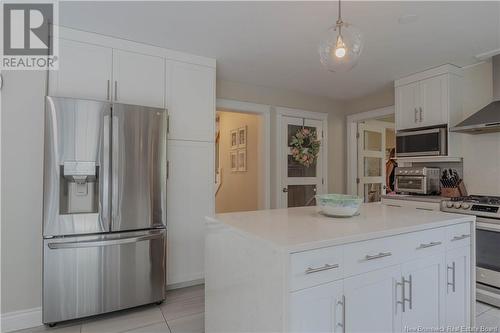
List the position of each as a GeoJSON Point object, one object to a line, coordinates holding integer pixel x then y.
{"type": "Point", "coordinates": [285, 190]}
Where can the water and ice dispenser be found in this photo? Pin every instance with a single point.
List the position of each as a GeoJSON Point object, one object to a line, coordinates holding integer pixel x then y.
{"type": "Point", "coordinates": [79, 192]}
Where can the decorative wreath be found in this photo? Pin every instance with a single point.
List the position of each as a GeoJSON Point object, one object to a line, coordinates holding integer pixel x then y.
{"type": "Point", "coordinates": [305, 147]}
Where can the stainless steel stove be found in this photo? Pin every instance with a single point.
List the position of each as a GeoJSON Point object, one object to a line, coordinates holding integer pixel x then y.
{"type": "Point", "coordinates": [487, 212]}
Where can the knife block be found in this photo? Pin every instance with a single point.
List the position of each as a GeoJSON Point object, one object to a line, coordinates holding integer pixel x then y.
{"type": "Point", "coordinates": [454, 192]}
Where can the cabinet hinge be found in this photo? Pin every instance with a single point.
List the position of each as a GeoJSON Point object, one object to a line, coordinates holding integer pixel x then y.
{"type": "Point", "coordinates": [168, 123]}
{"type": "Point", "coordinates": [357, 180]}
{"type": "Point", "coordinates": [168, 168]}
{"type": "Point", "coordinates": [323, 181]}
{"type": "Point", "coordinates": [322, 136]}
{"type": "Point", "coordinates": [1, 81]}
{"type": "Point", "coordinates": [357, 135]}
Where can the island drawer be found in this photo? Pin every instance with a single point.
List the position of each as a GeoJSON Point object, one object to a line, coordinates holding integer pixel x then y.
{"type": "Point", "coordinates": [426, 242]}
{"type": "Point", "coordinates": [314, 267]}
{"type": "Point", "coordinates": [366, 256]}
{"type": "Point", "coordinates": [458, 235]}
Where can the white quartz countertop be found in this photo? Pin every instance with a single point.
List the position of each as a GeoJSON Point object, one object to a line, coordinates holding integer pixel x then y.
{"type": "Point", "coordinates": [303, 228]}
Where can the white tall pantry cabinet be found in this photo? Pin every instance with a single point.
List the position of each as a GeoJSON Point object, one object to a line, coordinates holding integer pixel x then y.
{"type": "Point", "coordinates": [104, 68]}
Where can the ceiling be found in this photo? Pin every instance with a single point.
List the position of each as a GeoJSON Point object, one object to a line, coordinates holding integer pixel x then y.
{"type": "Point", "coordinates": [274, 44]}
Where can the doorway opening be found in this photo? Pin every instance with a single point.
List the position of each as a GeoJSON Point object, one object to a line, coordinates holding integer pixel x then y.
{"type": "Point", "coordinates": [240, 162]}
{"type": "Point", "coordinates": [371, 154]}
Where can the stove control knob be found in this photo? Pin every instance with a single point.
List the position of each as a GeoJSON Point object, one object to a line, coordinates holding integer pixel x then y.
{"type": "Point", "coordinates": [449, 204]}
{"type": "Point", "coordinates": [457, 205]}
{"type": "Point", "coordinates": [465, 206]}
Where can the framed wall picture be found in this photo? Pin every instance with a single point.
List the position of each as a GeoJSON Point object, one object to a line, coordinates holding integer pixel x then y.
{"type": "Point", "coordinates": [233, 158]}
{"type": "Point", "coordinates": [242, 160]}
{"type": "Point", "coordinates": [242, 137]}
{"type": "Point", "coordinates": [234, 139]}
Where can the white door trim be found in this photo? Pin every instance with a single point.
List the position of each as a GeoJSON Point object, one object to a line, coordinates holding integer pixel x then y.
{"type": "Point", "coordinates": [265, 112]}
{"type": "Point", "coordinates": [289, 112]}
{"type": "Point", "coordinates": [352, 147]}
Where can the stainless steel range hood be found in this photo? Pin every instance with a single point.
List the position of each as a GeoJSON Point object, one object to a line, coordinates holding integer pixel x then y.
{"type": "Point", "coordinates": [487, 119]}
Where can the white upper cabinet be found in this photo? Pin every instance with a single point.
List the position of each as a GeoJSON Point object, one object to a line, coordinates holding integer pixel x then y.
{"type": "Point", "coordinates": [430, 98]}
{"type": "Point", "coordinates": [138, 79]}
{"type": "Point", "coordinates": [406, 105]}
{"type": "Point", "coordinates": [434, 101]}
{"type": "Point", "coordinates": [84, 71]}
{"type": "Point", "coordinates": [191, 101]}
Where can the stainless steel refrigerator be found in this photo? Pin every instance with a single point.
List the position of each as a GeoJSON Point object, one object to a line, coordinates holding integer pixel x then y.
{"type": "Point", "coordinates": [104, 218]}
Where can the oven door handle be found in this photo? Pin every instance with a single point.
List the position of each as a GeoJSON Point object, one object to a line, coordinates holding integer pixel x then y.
{"type": "Point", "coordinates": [484, 224]}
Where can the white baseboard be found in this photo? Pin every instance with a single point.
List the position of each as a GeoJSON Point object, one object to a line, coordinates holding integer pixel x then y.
{"type": "Point", "coordinates": [185, 284]}
{"type": "Point", "coordinates": [18, 320]}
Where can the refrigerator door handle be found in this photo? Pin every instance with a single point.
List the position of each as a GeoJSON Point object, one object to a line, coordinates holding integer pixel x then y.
{"type": "Point", "coordinates": [105, 185]}
{"type": "Point", "coordinates": [97, 243]}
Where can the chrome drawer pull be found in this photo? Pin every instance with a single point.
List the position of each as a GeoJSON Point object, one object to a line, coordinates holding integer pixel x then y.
{"type": "Point", "coordinates": [453, 280]}
{"type": "Point", "coordinates": [403, 298]}
{"type": "Point", "coordinates": [431, 244]}
{"type": "Point", "coordinates": [456, 238]}
{"type": "Point", "coordinates": [342, 303]}
{"type": "Point", "coordinates": [377, 256]}
{"type": "Point", "coordinates": [320, 269]}
{"type": "Point", "coordinates": [410, 296]}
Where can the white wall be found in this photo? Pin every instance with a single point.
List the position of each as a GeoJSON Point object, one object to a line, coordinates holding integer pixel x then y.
{"type": "Point", "coordinates": [239, 191]}
{"type": "Point", "coordinates": [481, 152]}
{"type": "Point", "coordinates": [22, 165]}
{"type": "Point", "coordinates": [291, 99]}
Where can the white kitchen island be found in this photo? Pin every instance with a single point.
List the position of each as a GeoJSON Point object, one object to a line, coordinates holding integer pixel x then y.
{"type": "Point", "coordinates": [389, 269]}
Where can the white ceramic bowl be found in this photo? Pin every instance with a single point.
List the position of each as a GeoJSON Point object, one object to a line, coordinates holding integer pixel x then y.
{"type": "Point", "coordinates": [338, 205]}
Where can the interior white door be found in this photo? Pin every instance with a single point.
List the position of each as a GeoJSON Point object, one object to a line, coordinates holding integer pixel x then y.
{"type": "Point", "coordinates": [407, 98]}
{"type": "Point", "coordinates": [317, 309]}
{"type": "Point", "coordinates": [190, 199]}
{"type": "Point", "coordinates": [433, 99]}
{"type": "Point", "coordinates": [191, 101]}
{"type": "Point", "coordinates": [371, 161]}
{"type": "Point", "coordinates": [138, 79]}
{"type": "Point", "coordinates": [371, 301]}
{"type": "Point", "coordinates": [84, 71]}
{"type": "Point", "coordinates": [424, 289]}
{"type": "Point", "coordinates": [458, 287]}
{"type": "Point", "coordinates": [299, 184]}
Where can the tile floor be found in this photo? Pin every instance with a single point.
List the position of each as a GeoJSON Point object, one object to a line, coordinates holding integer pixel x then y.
{"type": "Point", "coordinates": [487, 316]}
{"type": "Point", "coordinates": [183, 312]}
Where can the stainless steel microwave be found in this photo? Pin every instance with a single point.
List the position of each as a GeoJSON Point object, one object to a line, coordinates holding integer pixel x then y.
{"type": "Point", "coordinates": [427, 142]}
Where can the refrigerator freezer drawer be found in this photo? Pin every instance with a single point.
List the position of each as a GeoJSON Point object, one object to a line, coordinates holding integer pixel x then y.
{"type": "Point", "coordinates": [89, 275]}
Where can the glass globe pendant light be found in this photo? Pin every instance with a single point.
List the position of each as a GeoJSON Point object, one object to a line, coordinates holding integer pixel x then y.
{"type": "Point", "coordinates": [341, 46]}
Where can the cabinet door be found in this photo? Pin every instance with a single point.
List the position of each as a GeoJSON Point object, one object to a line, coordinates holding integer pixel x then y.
{"type": "Point", "coordinates": [84, 71]}
{"type": "Point", "coordinates": [191, 101]}
{"type": "Point", "coordinates": [424, 292]}
{"type": "Point", "coordinates": [458, 293]}
{"type": "Point", "coordinates": [433, 108]}
{"type": "Point", "coordinates": [190, 197]}
{"type": "Point", "coordinates": [371, 301]}
{"type": "Point", "coordinates": [318, 309]}
{"type": "Point", "coordinates": [406, 106]}
{"type": "Point", "coordinates": [138, 79]}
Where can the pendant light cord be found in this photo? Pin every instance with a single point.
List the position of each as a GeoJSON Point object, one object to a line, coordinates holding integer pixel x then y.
{"type": "Point", "coordinates": [339, 22]}
{"type": "Point", "coordinates": [340, 14]}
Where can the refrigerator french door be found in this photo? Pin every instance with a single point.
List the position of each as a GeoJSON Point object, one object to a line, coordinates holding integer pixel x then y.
{"type": "Point", "coordinates": [104, 224]}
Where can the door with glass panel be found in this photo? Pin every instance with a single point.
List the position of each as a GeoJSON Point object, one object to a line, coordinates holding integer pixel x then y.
{"type": "Point", "coordinates": [299, 183]}
{"type": "Point", "coordinates": [371, 162]}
